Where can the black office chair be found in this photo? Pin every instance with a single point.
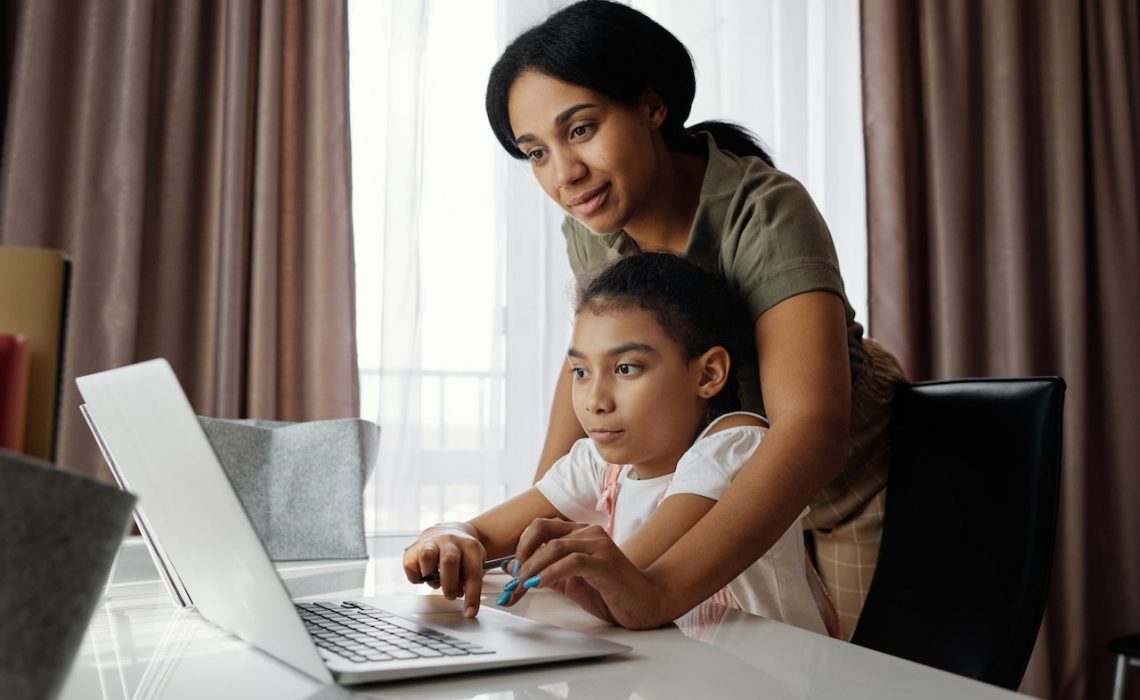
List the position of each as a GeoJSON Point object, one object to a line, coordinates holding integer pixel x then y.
{"type": "Point", "coordinates": [971, 516]}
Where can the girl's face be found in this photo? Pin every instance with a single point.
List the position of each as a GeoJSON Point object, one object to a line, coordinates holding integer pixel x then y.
{"type": "Point", "coordinates": [633, 391]}
{"type": "Point", "coordinates": [593, 156]}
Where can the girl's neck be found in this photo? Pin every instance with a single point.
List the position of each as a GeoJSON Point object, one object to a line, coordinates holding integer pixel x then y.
{"type": "Point", "coordinates": [665, 223]}
{"type": "Point", "coordinates": [665, 463]}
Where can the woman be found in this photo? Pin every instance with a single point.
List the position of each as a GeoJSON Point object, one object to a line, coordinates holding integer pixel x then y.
{"type": "Point", "coordinates": [596, 98]}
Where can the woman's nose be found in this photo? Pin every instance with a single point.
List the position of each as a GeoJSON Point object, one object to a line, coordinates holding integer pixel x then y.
{"type": "Point", "coordinates": [568, 168]}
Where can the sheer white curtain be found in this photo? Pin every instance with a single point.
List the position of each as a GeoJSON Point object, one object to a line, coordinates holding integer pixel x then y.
{"type": "Point", "coordinates": [463, 285]}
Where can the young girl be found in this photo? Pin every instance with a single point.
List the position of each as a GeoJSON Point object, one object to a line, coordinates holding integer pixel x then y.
{"type": "Point", "coordinates": [650, 364]}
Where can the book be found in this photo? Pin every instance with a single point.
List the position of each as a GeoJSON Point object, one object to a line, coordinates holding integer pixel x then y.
{"type": "Point", "coordinates": [33, 303]}
{"type": "Point", "coordinates": [15, 369]}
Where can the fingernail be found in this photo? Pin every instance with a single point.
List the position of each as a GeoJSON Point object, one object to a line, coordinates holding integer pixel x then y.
{"type": "Point", "coordinates": [503, 598]}
{"type": "Point", "coordinates": [511, 586]}
{"type": "Point", "coordinates": [515, 567]}
{"type": "Point", "coordinates": [532, 582]}
{"type": "Point", "coordinates": [470, 611]}
{"type": "Point", "coordinates": [506, 566]}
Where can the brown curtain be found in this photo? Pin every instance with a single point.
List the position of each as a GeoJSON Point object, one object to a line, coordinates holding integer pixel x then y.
{"type": "Point", "coordinates": [1003, 166]}
{"type": "Point", "coordinates": [192, 159]}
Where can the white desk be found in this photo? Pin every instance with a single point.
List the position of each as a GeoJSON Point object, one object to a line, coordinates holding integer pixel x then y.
{"type": "Point", "coordinates": [139, 646]}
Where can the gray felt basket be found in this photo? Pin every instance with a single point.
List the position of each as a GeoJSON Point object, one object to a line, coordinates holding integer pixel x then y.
{"type": "Point", "coordinates": [301, 483]}
{"type": "Point", "coordinates": [59, 534]}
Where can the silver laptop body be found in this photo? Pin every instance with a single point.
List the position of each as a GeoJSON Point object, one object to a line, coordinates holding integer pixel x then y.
{"type": "Point", "coordinates": [146, 427]}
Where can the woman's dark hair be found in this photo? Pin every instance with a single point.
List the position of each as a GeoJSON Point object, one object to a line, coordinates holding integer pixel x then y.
{"type": "Point", "coordinates": [616, 51]}
{"type": "Point", "coordinates": [694, 307]}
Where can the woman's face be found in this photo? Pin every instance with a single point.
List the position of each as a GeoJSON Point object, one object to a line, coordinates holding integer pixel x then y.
{"type": "Point", "coordinates": [593, 156]}
{"type": "Point", "coordinates": [633, 390]}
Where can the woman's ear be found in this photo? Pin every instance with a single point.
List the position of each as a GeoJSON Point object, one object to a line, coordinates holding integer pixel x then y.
{"type": "Point", "coordinates": [713, 375]}
{"type": "Point", "coordinates": [654, 108]}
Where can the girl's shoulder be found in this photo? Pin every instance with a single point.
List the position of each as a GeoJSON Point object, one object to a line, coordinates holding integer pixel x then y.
{"type": "Point", "coordinates": [736, 419]}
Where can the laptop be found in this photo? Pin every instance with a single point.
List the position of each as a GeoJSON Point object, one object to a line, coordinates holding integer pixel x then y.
{"type": "Point", "coordinates": [148, 431]}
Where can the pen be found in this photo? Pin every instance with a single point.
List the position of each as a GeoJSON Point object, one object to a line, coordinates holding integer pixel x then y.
{"type": "Point", "coordinates": [487, 566]}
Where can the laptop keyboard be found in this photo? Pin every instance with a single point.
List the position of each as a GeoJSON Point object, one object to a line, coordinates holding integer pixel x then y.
{"type": "Point", "coordinates": [363, 634]}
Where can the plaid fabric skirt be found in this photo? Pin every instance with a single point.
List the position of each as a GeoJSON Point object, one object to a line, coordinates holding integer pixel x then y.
{"type": "Point", "coordinates": [846, 519]}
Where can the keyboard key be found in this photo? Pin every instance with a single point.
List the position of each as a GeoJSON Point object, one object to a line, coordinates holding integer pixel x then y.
{"type": "Point", "coordinates": [452, 651]}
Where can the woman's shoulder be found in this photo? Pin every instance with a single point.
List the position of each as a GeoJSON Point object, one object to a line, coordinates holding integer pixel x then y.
{"type": "Point", "coordinates": [747, 181]}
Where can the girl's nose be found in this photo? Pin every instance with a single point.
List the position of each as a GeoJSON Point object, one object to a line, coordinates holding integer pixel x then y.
{"type": "Point", "coordinates": [598, 401]}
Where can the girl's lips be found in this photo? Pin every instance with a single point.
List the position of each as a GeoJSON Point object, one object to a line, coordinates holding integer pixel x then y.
{"type": "Point", "coordinates": [591, 202]}
{"type": "Point", "coordinates": [604, 436]}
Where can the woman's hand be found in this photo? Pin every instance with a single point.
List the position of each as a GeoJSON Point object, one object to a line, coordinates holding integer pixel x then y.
{"type": "Point", "coordinates": [454, 550]}
{"type": "Point", "coordinates": [583, 563]}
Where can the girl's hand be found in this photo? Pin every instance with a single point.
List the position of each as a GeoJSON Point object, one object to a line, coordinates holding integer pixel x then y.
{"type": "Point", "coordinates": [456, 553]}
{"type": "Point", "coordinates": [583, 563]}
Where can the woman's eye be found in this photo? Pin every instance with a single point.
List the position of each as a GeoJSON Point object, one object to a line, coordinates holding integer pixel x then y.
{"type": "Point", "coordinates": [626, 368]}
{"type": "Point", "coordinates": [580, 131]}
{"type": "Point", "coordinates": [578, 372]}
{"type": "Point", "coordinates": [535, 154]}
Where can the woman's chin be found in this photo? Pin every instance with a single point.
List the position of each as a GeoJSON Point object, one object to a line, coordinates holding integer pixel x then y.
{"type": "Point", "coordinates": [599, 226]}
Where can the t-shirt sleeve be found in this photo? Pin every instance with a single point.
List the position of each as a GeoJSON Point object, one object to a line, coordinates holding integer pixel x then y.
{"type": "Point", "coordinates": [575, 482]}
{"type": "Point", "coordinates": [779, 245]}
{"type": "Point", "coordinates": [708, 467]}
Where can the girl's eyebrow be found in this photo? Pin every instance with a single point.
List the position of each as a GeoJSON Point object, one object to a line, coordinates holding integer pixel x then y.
{"type": "Point", "coordinates": [623, 348]}
{"type": "Point", "coordinates": [563, 117]}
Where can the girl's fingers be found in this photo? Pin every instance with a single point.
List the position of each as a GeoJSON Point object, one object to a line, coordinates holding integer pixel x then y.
{"type": "Point", "coordinates": [450, 559]}
{"type": "Point", "coordinates": [429, 561]}
{"type": "Point", "coordinates": [419, 560]}
{"type": "Point", "coordinates": [472, 579]}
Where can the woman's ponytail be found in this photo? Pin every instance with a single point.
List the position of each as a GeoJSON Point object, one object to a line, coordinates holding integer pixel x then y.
{"type": "Point", "coordinates": [733, 138]}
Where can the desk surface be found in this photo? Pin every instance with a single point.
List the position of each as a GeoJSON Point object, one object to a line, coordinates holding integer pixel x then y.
{"type": "Point", "coordinates": [140, 646]}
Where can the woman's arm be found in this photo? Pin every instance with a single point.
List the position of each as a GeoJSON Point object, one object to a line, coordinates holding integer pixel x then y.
{"type": "Point", "coordinates": [805, 374]}
{"type": "Point", "coordinates": [564, 429]}
{"type": "Point", "coordinates": [678, 513]}
{"type": "Point", "coordinates": [673, 518]}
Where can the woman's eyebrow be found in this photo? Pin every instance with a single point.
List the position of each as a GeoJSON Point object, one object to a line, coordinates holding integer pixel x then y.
{"type": "Point", "coordinates": [563, 117]}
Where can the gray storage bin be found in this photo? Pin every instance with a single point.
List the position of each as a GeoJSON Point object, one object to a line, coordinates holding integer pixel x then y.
{"type": "Point", "coordinates": [59, 534]}
{"type": "Point", "coordinates": [301, 483]}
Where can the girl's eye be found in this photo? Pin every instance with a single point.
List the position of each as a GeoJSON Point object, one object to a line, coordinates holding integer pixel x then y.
{"type": "Point", "coordinates": [535, 154]}
{"type": "Point", "coordinates": [578, 372]}
{"type": "Point", "coordinates": [627, 368]}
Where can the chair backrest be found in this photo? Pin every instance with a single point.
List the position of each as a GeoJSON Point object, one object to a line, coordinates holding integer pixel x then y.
{"type": "Point", "coordinates": [33, 303]}
{"type": "Point", "coordinates": [971, 516]}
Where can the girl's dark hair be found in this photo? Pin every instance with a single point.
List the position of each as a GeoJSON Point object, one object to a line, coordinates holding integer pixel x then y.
{"type": "Point", "coordinates": [694, 307]}
{"type": "Point", "coordinates": [616, 51]}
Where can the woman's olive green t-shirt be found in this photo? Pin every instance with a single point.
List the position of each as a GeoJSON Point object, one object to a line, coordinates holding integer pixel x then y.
{"type": "Point", "coordinates": [756, 228]}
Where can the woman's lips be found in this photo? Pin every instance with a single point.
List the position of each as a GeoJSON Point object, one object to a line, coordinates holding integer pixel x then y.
{"type": "Point", "coordinates": [590, 202]}
{"type": "Point", "coordinates": [606, 436]}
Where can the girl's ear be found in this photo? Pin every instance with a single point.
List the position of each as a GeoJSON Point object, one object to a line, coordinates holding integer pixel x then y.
{"type": "Point", "coordinates": [654, 108]}
{"type": "Point", "coordinates": [714, 366]}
